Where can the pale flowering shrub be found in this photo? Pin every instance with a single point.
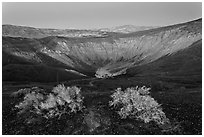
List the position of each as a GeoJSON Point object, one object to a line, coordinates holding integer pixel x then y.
{"type": "Point", "coordinates": [61, 100]}
{"type": "Point", "coordinates": [26, 91]}
{"type": "Point", "coordinates": [138, 104]}
{"type": "Point", "coordinates": [31, 101]}
{"type": "Point", "coordinates": [69, 95]}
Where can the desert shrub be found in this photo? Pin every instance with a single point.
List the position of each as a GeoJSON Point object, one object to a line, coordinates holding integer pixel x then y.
{"type": "Point", "coordinates": [61, 100]}
{"type": "Point", "coordinates": [24, 91]}
{"type": "Point", "coordinates": [31, 102]}
{"type": "Point", "coordinates": [138, 104]}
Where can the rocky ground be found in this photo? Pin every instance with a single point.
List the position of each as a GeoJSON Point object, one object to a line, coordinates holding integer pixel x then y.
{"type": "Point", "coordinates": [182, 106]}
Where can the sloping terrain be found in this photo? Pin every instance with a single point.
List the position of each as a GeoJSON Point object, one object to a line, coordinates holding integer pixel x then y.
{"type": "Point", "coordinates": [30, 32]}
{"type": "Point", "coordinates": [182, 66]}
{"type": "Point", "coordinates": [103, 56]}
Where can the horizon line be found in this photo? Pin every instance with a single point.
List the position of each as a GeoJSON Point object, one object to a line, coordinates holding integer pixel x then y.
{"type": "Point", "coordinates": [102, 27]}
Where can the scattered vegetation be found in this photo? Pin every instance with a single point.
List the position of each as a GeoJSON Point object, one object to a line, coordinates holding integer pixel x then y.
{"type": "Point", "coordinates": [26, 91]}
{"type": "Point", "coordinates": [134, 112]}
{"type": "Point", "coordinates": [138, 104]}
{"type": "Point", "coordinates": [62, 100]}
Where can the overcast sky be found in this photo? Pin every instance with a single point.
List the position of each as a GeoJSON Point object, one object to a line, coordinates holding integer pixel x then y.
{"type": "Point", "coordinates": [98, 15]}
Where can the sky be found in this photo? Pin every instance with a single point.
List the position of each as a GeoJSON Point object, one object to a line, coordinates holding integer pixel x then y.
{"type": "Point", "coordinates": [98, 15]}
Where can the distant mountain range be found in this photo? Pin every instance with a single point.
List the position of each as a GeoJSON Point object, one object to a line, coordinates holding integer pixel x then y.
{"type": "Point", "coordinates": [127, 28]}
